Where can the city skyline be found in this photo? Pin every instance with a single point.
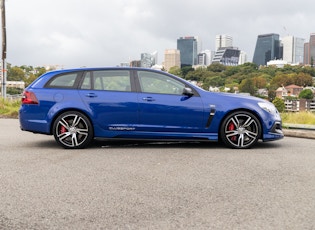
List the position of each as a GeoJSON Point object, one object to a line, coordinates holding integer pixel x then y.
{"type": "Point", "coordinates": [98, 33]}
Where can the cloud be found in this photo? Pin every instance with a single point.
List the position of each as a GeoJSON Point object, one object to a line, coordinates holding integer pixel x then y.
{"type": "Point", "coordinates": [106, 33]}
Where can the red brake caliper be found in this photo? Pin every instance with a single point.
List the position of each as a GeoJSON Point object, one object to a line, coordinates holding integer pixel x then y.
{"type": "Point", "coordinates": [230, 128]}
{"type": "Point", "coordinates": [62, 129]}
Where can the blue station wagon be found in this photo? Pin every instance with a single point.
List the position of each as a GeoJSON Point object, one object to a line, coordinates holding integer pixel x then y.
{"type": "Point", "coordinates": [79, 105]}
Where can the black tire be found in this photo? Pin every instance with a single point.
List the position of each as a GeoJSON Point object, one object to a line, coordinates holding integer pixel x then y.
{"type": "Point", "coordinates": [240, 130]}
{"type": "Point", "coordinates": [73, 130]}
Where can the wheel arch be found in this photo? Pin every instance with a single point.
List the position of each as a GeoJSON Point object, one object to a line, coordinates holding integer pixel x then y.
{"type": "Point", "coordinates": [68, 110]}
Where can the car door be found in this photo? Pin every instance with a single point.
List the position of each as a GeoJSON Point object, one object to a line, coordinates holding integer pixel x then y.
{"type": "Point", "coordinates": [164, 108]}
{"type": "Point", "coordinates": [109, 97]}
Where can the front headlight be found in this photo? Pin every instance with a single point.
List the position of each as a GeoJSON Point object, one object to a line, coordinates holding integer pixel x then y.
{"type": "Point", "coordinates": [269, 107]}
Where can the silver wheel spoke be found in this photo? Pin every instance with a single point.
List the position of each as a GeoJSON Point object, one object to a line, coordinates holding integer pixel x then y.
{"type": "Point", "coordinates": [74, 140]}
{"type": "Point", "coordinates": [64, 135]}
{"type": "Point", "coordinates": [64, 124]}
{"type": "Point", "coordinates": [250, 134]}
{"type": "Point", "coordinates": [241, 140]}
{"type": "Point", "coordinates": [231, 133]}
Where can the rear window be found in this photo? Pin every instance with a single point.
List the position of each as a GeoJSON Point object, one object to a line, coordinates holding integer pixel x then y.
{"type": "Point", "coordinates": [68, 80]}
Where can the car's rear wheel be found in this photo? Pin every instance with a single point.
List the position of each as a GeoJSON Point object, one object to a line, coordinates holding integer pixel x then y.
{"type": "Point", "coordinates": [73, 130]}
{"type": "Point", "coordinates": [240, 130]}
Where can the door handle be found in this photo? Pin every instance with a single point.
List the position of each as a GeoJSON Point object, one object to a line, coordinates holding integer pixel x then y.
{"type": "Point", "coordinates": [91, 95]}
{"type": "Point", "coordinates": [148, 99]}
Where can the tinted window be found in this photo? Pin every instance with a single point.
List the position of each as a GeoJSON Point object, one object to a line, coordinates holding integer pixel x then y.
{"type": "Point", "coordinates": [63, 81]}
{"type": "Point", "coordinates": [87, 83]}
{"type": "Point", "coordinates": [159, 83]}
{"type": "Point", "coordinates": [111, 80]}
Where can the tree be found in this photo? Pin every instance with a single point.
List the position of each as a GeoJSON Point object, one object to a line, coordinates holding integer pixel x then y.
{"type": "Point", "coordinates": [216, 67]}
{"type": "Point", "coordinates": [247, 86]}
{"type": "Point", "coordinates": [186, 70]}
{"type": "Point", "coordinates": [175, 70]}
{"type": "Point", "coordinates": [279, 103]}
{"type": "Point", "coordinates": [306, 94]}
{"type": "Point", "coordinates": [303, 79]}
{"type": "Point", "coordinates": [15, 74]}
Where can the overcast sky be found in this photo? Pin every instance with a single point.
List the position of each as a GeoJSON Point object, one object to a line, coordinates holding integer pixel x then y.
{"type": "Point", "coordinates": [72, 33]}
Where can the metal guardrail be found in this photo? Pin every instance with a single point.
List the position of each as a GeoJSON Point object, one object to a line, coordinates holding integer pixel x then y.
{"type": "Point", "coordinates": [13, 97]}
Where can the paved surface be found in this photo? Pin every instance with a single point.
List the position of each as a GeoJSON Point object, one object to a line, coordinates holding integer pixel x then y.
{"type": "Point", "coordinates": [154, 186]}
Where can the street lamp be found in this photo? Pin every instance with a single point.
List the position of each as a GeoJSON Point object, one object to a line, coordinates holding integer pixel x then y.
{"type": "Point", "coordinates": [4, 51]}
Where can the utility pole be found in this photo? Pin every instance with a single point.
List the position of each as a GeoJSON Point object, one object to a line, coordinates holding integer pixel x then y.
{"type": "Point", "coordinates": [4, 52]}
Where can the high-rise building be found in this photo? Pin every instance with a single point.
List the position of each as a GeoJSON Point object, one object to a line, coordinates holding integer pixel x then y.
{"type": "Point", "coordinates": [171, 58]}
{"type": "Point", "coordinates": [188, 48]}
{"type": "Point", "coordinates": [243, 58]}
{"type": "Point", "coordinates": [293, 49]}
{"type": "Point", "coordinates": [205, 58]}
{"type": "Point", "coordinates": [148, 60]}
{"type": "Point", "coordinates": [222, 41]}
{"type": "Point", "coordinates": [227, 56]}
{"type": "Point", "coordinates": [312, 49]}
{"type": "Point", "coordinates": [307, 53]}
{"type": "Point", "coordinates": [267, 48]}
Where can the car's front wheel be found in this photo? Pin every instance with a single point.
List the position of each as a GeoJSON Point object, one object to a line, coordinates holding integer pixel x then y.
{"type": "Point", "coordinates": [240, 130]}
{"type": "Point", "coordinates": [73, 130]}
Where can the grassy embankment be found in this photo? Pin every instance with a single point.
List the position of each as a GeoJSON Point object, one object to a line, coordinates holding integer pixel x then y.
{"type": "Point", "coordinates": [10, 109]}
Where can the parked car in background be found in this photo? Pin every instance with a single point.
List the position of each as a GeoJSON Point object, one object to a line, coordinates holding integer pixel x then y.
{"type": "Point", "coordinates": [79, 105]}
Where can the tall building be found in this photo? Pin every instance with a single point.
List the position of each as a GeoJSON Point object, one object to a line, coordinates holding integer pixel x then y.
{"type": "Point", "coordinates": [312, 49]}
{"type": "Point", "coordinates": [227, 56]}
{"type": "Point", "coordinates": [188, 48]}
{"type": "Point", "coordinates": [222, 41]}
{"type": "Point", "coordinates": [171, 58]}
{"type": "Point", "coordinates": [267, 48]}
{"type": "Point", "coordinates": [205, 58]}
{"type": "Point", "coordinates": [243, 58]}
{"type": "Point", "coordinates": [148, 60]}
{"type": "Point", "coordinates": [293, 49]}
{"type": "Point", "coordinates": [307, 53]}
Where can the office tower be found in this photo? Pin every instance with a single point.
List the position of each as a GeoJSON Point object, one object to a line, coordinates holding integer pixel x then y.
{"type": "Point", "coordinates": [243, 58]}
{"type": "Point", "coordinates": [293, 49]}
{"type": "Point", "coordinates": [298, 53]}
{"type": "Point", "coordinates": [312, 49]}
{"type": "Point", "coordinates": [307, 53]}
{"type": "Point", "coordinates": [267, 48]}
{"type": "Point", "coordinates": [222, 41]}
{"type": "Point", "coordinates": [188, 50]}
{"type": "Point", "coordinates": [171, 58]}
{"type": "Point", "coordinates": [205, 58]}
{"type": "Point", "coordinates": [148, 60]}
{"type": "Point", "coordinates": [227, 56]}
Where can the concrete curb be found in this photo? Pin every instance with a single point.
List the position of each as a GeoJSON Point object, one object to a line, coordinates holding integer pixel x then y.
{"type": "Point", "coordinates": [299, 133]}
{"type": "Point", "coordinates": [297, 130]}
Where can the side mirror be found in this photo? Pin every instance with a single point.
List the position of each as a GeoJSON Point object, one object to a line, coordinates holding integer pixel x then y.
{"type": "Point", "coordinates": [188, 91]}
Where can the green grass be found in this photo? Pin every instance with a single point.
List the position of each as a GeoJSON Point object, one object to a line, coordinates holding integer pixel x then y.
{"type": "Point", "coordinates": [9, 108]}
{"type": "Point", "coordinates": [304, 118]}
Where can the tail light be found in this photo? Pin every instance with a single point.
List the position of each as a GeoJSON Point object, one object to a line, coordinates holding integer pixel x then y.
{"type": "Point", "coordinates": [29, 98]}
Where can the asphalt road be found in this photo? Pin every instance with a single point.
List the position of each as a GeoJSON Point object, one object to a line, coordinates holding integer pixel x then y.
{"type": "Point", "coordinates": [133, 185]}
